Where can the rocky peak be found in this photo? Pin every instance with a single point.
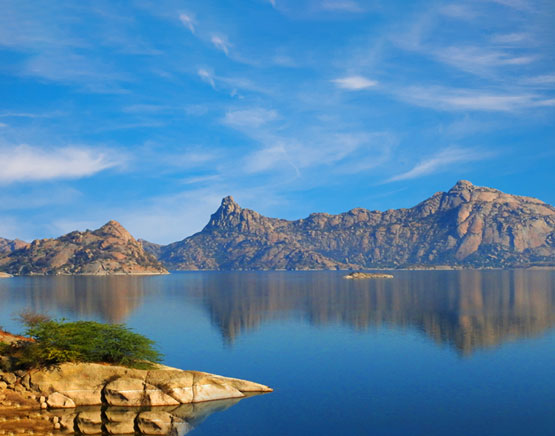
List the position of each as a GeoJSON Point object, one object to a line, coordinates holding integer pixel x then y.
{"type": "Point", "coordinates": [114, 229]}
{"type": "Point", "coordinates": [463, 184]}
{"type": "Point", "coordinates": [226, 215]}
{"type": "Point", "coordinates": [229, 205]}
{"type": "Point", "coordinates": [7, 245]}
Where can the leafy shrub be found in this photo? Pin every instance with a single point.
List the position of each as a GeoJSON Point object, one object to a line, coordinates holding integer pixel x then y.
{"type": "Point", "coordinates": [30, 318]}
{"type": "Point", "coordinates": [58, 341]}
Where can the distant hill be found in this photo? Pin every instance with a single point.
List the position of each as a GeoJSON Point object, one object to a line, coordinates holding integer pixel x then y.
{"type": "Point", "coordinates": [7, 246]}
{"type": "Point", "coordinates": [107, 250]}
{"type": "Point", "coordinates": [468, 226]}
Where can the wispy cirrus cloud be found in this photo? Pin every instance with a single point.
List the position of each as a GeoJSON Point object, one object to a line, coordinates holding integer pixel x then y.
{"type": "Point", "coordinates": [442, 161]}
{"type": "Point", "coordinates": [221, 43]}
{"type": "Point", "coordinates": [510, 38]}
{"type": "Point", "coordinates": [188, 21]}
{"type": "Point", "coordinates": [24, 163]}
{"type": "Point", "coordinates": [480, 60]}
{"type": "Point", "coordinates": [515, 4]}
{"type": "Point", "coordinates": [341, 6]}
{"type": "Point", "coordinates": [545, 79]}
{"type": "Point", "coordinates": [470, 99]}
{"type": "Point", "coordinates": [459, 11]}
{"type": "Point", "coordinates": [354, 83]}
{"type": "Point", "coordinates": [207, 76]}
{"type": "Point", "coordinates": [254, 117]}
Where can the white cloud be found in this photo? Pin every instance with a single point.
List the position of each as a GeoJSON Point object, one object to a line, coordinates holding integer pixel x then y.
{"type": "Point", "coordinates": [272, 2]}
{"type": "Point", "coordinates": [509, 38]}
{"type": "Point", "coordinates": [255, 117]}
{"type": "Point", "coordinates": [515, 4]}
{"type": "Point", "coordinates": [549, 102]}
{"type": "Point", "coordinates": [188, 21]}
{"type": "Point", "coordinates": [267, 158]}
{"type": "Point", "coordinates": [207, 76]}
{"type": "Point", "coordinates": [479, 60]}
{"type": "Point", "coordinates": [354, 83]}
{"type": "Point", "coordinates": [546, 79]}
{"type": "Point", "coordinates": [441, 162]}
{"type": "Point", "coordinates": [457, 11]}
{"type": "Point", "coordinates": [341, 5]}
{"type": "Point", "coordinates": [469, 99]}
{"type": "Point", "coordinates": [221, 43]}
{"type": "Point", "coordinates": [25, 163]}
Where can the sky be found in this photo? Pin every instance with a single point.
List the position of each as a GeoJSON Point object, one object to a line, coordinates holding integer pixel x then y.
{"type": "Point", "coordinates": [150, 112]}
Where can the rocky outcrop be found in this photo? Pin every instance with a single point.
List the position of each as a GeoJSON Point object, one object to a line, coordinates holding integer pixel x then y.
{"type": "Point", "coordinates": [151, 247]}
{"type": "Point", "coordinates": [90, 384]}
{"type": "Point", "coordinates": [7, 246]}
{"type": "Point", "coordinates": [157, 401]}
{"type": "Point", "coordinates": [468, 226]}
{"type": "Point", "coordinates": [108, 250]}
{"type": "Point", "coordinates": [361, 275]}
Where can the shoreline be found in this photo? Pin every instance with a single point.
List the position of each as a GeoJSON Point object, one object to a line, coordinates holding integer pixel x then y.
{"type": "Point", "coordinates": [169, 272]}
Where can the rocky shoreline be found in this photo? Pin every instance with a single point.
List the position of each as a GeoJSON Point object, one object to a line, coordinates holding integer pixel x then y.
{"type": "Point", "coordinates": [158, 401]}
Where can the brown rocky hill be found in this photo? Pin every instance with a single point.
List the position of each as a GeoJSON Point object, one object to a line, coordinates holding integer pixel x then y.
{"type": "Point", "coordinates": [468, 226]}
{"type": "Point", "coordinates": [108, 250]}
{"type": "Point", "coordinates": [7, 246]}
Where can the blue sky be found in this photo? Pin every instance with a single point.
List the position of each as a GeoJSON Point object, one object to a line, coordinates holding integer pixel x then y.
{"type": "Point", "coordinates": [149, 112]}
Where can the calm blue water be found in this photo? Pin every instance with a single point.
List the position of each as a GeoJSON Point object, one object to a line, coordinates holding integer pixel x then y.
{"type": "Point", "coordinates": [426, 353]}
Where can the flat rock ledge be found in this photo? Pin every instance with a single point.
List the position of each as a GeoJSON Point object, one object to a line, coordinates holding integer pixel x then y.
{"type": "Point", "coordinates": [72, 385]}
{"type": "Point", "coordinates": [4, 275]}
{"type": "Point", "coordinates": [90, 384]}
{"type": "Point", "coordinates": [361, 275]}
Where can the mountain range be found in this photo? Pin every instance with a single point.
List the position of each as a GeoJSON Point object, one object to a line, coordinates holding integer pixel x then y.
{"type": "Point", "coordinates": [467, 226]}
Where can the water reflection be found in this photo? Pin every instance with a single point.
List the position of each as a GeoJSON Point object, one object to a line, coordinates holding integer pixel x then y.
{"type": "Point", "coordinates": [111, 299]}
{"type": "Point", "coordinates": [174, 421]}
{"type": "Point", "coordinates": [464, 309]}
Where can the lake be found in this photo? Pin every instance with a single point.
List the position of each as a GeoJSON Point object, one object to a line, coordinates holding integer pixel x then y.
{"type": "Point", "coordinates": [425, 353]}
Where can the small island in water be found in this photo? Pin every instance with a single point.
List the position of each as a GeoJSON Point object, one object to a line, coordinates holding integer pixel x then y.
{"type": "Point", "coordinates": [45, 378]}
{"type": "Point", "coordinates": [361, 275]}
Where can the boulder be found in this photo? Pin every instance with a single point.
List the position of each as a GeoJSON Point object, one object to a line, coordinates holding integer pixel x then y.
{"type": "Point", "coordinates": [208, 388]}
{"type": "Point", "coordinates": [154, 396]}
{"type": "Point", "coordinates": [9, 377]}
{"type": "Point", "coordinates": [82, 382]}
{"type": "Point", "coordinates": [125, 391]}
{"type": "Point", "coordinates": [176, 383]}
{"type": "Point", "coordinates": [59, 401]}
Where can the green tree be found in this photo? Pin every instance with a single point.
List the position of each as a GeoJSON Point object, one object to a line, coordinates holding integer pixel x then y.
{"type": "Point", "coordinates": [58, 341]}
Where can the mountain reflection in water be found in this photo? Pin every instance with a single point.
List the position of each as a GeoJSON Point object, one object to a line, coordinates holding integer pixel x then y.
{"type": "Point", "coordinates": [464, 309]}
